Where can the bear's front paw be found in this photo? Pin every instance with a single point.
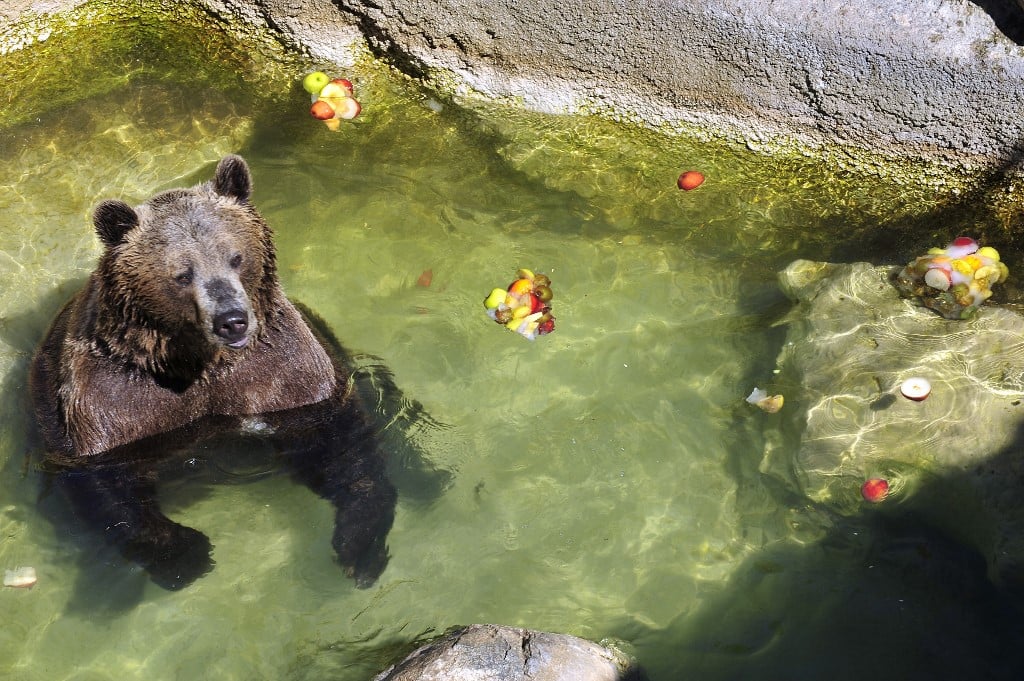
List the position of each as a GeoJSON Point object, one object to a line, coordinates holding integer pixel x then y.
{"type": "Point", "coordinates": [178, 558]}
{"type": "Point", "coordinates": [363, 553]}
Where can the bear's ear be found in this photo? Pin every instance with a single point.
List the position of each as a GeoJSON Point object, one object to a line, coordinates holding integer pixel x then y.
{"type": "Point", "coordinates": [112, 220]}
{"type": "Point", "coordinates": [232, 178]}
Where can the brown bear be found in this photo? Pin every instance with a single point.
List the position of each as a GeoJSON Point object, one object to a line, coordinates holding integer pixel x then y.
{"type": "Point", "coordinates": [183, 334]}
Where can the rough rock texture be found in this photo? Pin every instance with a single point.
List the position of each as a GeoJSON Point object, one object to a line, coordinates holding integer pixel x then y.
{"type": "Point", "coordinates": [939, 79]}
{"type": "Point", "coordinates": [936, 78]}
{"type": "Point", "coordinates": [953, 457]}
{"type": "Point", "coordinates": [490, 651]}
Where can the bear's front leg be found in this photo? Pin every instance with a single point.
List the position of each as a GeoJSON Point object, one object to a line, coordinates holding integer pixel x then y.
{"type": "Point", "coordinates": [330, 447]}
{"type": "Point", "coordinates": [119, 501]}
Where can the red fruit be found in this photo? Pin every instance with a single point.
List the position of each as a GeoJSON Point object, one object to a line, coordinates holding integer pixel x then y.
{"type": "Point", "coordinates": [691, 179]}
{"type": "Point", "coordinates": [874, 489]}
{"type": "Point", "coordinates": [520, 287]}
{"type": "Point", "coordinates": [344, 82]}
{"type": "Point", "coordinates": [963, 241]}
{"type": "Point", "coordinates": [425, 278]}
{"type": "Point", "coordinates": [546, 326]}
{"type": "Point", "coordinates": [321, 110]}
{"type": "Point", "coordinates": [535, 303]}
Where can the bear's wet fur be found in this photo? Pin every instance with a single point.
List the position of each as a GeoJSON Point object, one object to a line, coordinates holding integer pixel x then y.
{"type": "Point", "coordinates": [182, 334]}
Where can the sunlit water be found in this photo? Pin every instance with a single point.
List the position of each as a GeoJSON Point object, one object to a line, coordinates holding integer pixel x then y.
{"type": "Point", "coordinates": [604, 478]}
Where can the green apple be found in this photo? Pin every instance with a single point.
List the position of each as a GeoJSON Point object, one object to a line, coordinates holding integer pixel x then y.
{"type": "Point", "coordinates": [314, 82]}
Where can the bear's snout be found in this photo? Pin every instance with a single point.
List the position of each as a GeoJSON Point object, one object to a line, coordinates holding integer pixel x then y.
{"type": "Point", "coordinates": [231, 326]}
{"type": "Point", "coordinates": [229, 317]}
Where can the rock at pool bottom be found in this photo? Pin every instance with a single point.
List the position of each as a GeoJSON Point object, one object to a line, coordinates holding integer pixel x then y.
{"type": "Point", "coordinates": [493, 651]}
{"type": "Point", "coordinates": [851, 343]}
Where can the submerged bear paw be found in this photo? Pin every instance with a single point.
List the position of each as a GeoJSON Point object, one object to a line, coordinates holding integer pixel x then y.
{"type": "Point", "coordinates": [179, 558]}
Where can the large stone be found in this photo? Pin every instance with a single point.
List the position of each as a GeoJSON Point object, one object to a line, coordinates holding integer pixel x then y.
{"type": "Point", "coordinates": [932, 79]}
{"type": "Point", "coordinates": [955, 457]}
{"type": "Point", "coordinates": [490, 651]}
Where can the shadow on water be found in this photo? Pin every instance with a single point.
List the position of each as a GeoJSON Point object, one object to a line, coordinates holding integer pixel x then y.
{"type": "Point", "coordinates": [885, 595]}
{"type": "Point", "coordinates": [894, 592]}
{"type": "Point", "coordinates": [889, 593]}
{"type": "Point", "coordinates": [909, 235]}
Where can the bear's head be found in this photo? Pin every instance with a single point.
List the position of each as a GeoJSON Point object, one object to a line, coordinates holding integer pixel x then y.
{"type": "Point", "coordinates": [186, 278]}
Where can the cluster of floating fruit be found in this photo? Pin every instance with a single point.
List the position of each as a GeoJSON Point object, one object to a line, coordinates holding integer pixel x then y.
{"type": "Point", "coordinates": [954, 280]}
{"type": "Point", "coordinates": [524, 306]}
{"type": "Point", "coordinates": [333, 99]}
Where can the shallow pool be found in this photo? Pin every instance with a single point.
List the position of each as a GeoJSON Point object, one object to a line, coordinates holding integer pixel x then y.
{"type": "Point", "coordinates": [603, 479]}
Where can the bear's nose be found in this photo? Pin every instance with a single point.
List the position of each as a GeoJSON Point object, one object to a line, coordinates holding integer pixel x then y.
{"type": "Point", "coordinates": [231, 325]}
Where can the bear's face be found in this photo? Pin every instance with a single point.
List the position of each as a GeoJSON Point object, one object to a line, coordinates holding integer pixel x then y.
{"type": "Point", "coordinates": [191, 270]}
{"type": "Point", "coordinates": [190, 264]}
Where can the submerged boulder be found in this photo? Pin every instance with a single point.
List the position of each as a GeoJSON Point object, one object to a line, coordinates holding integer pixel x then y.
{"type": "Point", "coordinates": [852, 341]}
{"type": "Point", "coordinates": [491, 651]}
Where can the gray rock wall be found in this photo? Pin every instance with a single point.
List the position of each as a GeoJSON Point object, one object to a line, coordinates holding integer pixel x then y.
{"type": "Point", "coordinates": [936, 79]}
{"type": "Point", "coordinates": [930, 78]}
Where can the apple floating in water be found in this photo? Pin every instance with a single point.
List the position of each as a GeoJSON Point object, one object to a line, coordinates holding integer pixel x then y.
{"type": "Point", "coordinates": [344, 83]}
{"type": "Point", "coordinates": [691, 179]}
{"type": "Point", "coordinates": [874, 489]}
{"type": "Point", "coordinates": [321, 110]}
{"type": "Point", "coordinates": [916, 388]}
{"type": "Point", "coordinates": [314, 82]}
{"type": "Point", "coordinates": [333, 99]}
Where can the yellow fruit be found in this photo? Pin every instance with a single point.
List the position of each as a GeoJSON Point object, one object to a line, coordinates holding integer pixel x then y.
{"type": "Point", "coordinates": [521, 312]}
{"type": "Point", "coordinates": [962, 266]}
{"type": "Point", "coordinates": [496, 298]}
{"type": "Point", "coordinates": [988, 252]}
{"type": "Point", "coordinates": [990, 272]}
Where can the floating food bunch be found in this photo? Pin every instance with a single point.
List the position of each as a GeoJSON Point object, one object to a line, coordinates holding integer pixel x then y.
{"type": "Point", "coordinates": [333, 99]}
{"type": "Point", "coordinates": [954, 280]}
{"type": "Point", "coordinates": [523, 307]}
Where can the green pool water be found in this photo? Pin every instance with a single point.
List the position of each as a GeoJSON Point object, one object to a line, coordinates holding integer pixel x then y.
{"type": "Point", "coordinates": [604, 478]}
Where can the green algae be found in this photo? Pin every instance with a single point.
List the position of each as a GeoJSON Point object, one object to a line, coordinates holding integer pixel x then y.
{"type": "Point", "coordinates": [53, 61]}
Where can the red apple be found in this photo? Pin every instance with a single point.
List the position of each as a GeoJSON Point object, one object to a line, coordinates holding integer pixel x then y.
{"type": "Point", "coordinates": [321, 110]}
{"type": "Point", "coordinates": [691, 179]}
{"type": "Point", "coordinates": [345, 83]}
{"type": "Point", "coordinates": [874, 489]}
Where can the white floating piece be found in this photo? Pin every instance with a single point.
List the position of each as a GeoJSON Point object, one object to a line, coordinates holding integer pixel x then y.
{"type": "Point", "coordinates": [22, 577]}
{"type": "Point", "coordinates": [916, 388]}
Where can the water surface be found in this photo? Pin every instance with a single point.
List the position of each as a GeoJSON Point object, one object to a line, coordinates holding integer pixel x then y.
{"type": "Point", "coordinates": [605, 478]}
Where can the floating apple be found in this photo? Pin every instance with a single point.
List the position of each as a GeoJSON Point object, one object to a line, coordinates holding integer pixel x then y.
{"type": "Point", "coordinates": [321, 110]}
{"type": "Point", "coordinates": [314, 82]}
{"type": "Point", "coordinates": [345, 83]}
{"type": "Point", "coordinates": [938, 278]}
{"type": "Point", "coordinates": [874, 489]}
{"type": "Point", "coordinates": [334, 90]}
{"type": "Point", "coordinates": [691, 179]}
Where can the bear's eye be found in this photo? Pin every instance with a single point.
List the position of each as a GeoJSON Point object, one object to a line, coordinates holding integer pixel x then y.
{"type": "Point", "coordinates": [185, 278]}
{"type": "Point", "coordinates": [236, 261]}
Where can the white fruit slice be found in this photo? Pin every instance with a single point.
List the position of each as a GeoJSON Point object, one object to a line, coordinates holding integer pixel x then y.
{"type": "Point", "coordinates": [916, 388]}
